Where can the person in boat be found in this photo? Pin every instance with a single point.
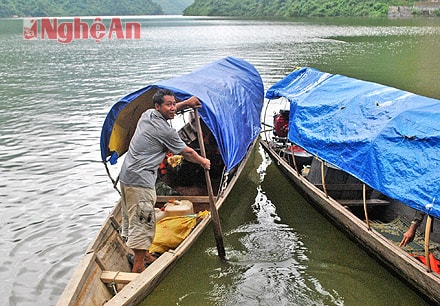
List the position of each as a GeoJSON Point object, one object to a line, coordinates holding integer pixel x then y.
{"type": "Point", "coordinates": [281, 123]}
{"type": "Point", "coordinates": [152, 139]}
{"type": "Point", "coordinates": [408, 236]}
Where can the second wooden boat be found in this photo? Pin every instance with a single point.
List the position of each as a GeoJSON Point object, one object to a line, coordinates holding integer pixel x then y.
{"type": "Point", "coordinates": [367, 156]}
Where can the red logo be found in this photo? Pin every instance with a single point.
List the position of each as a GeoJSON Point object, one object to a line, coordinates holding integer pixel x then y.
{"type": "Point", "coordinates": [66, 31]}
{"type": "Point", "coordinates": [30, 28]}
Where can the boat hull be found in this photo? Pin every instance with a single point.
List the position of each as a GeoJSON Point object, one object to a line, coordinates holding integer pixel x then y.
{"type": "Point", "coordinates": [399, 262]}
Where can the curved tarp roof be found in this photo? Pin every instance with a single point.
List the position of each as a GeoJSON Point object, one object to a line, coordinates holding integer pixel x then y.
{"type": "Point", "coordinates": [386, 137]}
{"type": "Point", "coordinates": [231, 92]}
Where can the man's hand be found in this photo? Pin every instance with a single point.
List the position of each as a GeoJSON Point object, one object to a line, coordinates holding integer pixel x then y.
{"type": "Point", "coordinates": [192, 102]}
{"type": "Point", "coordinates": [205, 163]}
{"type": "Point", "coordinates": [190, 155]}
{"type": "Point", "coordinates": [408, 236]}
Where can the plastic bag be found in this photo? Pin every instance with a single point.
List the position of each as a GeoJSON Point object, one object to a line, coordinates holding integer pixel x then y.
{"type": "Point", "coordinates": [171, 231]}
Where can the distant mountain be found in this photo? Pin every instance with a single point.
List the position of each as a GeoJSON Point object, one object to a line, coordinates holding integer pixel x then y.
{"type": "Point", "coordinates": [292, 8]}
{"type": "Point", "coordinates": [242, 8]}
{"type": "Point", "coordinates": [174, 7]}
{"type": "Point", "coordinates": [56, 8]}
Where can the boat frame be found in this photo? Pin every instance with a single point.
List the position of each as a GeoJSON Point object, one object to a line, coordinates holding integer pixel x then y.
{"type": "Point", "coordinates": [411, 271]}
{"type": "Point", "coordinates": [89, 284]}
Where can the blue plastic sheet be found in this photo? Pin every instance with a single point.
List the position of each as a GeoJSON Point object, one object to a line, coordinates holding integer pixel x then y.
{"type": "Point", "coordinates": [232, 94]}
{"type": "Point", "coordinates": [386, 137]}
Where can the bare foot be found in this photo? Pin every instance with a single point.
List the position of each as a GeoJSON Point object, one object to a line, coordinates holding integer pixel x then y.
{"type": "Point", "coordinates": [138, 264]}
{"type": "Point", "coordinates": [148, 259]}
{"type": "Point", "coordinates": [138, 269]}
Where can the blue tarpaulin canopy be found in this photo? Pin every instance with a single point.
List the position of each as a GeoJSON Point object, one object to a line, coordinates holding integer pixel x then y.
{"type": "Point", "coordinates": [231, 92]}
{"type": "Point", "coordinates": [386, 137]}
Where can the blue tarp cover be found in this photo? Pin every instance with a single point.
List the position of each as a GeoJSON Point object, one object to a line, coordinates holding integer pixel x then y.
{"type": "Point", "coordinates": [386, 137]}
{"type": "Point", "coordinates": [231, 92]}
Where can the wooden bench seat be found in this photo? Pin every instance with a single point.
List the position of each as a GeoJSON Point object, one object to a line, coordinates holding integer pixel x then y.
{"type": "Point", "coordinates": [108, 277]}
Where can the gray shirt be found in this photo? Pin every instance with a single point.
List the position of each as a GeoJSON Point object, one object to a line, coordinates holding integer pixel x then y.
{"type": "Point", "coordinates": [152, 139]}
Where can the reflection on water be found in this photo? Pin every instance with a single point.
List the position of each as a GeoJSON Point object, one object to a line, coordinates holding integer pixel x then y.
{"type": "Point", "coordinates": [55, 194]}
{"type": "Point", "coordinates": [342, 268]}
{"type": "Point", "coordinates": [279, 250]}
{"type": "Point", "coordinates": [271, 267]}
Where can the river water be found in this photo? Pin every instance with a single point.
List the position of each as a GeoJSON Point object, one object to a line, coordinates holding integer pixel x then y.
{"type": "Point", "coordinates": [54, 191]}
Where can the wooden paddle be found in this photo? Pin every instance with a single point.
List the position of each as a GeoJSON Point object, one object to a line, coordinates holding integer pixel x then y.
{"type": "Point", "coordinates": [214, 212]}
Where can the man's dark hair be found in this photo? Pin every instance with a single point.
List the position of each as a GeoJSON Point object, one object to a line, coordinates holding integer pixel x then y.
{"type": "Point", "coordinates": [158, 96]}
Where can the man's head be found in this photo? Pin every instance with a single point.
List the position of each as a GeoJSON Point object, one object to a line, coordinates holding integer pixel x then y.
{"type": "Point", "coordinates": [165, 102]}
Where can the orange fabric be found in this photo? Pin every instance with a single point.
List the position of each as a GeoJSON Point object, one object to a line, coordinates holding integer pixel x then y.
{"type": "Point", "coordinates": [433, 262]}
{"type": "Point", "coordinates": [163, 164]}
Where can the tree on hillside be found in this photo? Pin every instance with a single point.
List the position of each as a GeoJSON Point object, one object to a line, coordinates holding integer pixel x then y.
{"type": "Point", "coordinates": [292, 8]}
{"type": "Point", "coordinates": [57, 8]}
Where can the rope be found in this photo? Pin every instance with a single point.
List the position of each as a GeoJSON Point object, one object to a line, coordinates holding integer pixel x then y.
{"type": "Point", "coordinates": [114, 182]}
{"type": "Point", "coordinates": [224, 182]}
{"type": "Point", "coordinates": [113, 283]}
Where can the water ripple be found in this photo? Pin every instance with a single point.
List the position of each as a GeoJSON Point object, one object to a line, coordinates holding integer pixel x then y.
{"type": "Point", "coordinates": [54, 191]}
{"type": "Point", "coordinates": [270, 265]}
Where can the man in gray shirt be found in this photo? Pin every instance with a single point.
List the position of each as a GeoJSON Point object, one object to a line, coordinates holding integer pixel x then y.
{"type": "Point", "coordinates": [152, 139]}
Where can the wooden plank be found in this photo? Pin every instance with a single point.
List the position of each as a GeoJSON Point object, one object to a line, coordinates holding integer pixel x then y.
{"type": "Point", "coordinates": [370, 202]}
{"type": "Point", "coordinates": [78, 280]}
{"type": "Point", "coordinates": [85, 286]}
{"type": "Point", "coordinates": [118, 277]}
{"type": "Point", "coordinates": [114, 222]}
{"type": "Point", "coordinates": [194, 199]}
{"type": "Point", "coordinates": [136, 291]}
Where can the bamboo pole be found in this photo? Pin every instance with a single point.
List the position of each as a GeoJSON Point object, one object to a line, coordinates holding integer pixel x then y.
{"type": "Point", "coordinates": [214, 212]}
{"type": "Point", "coordinates": [427, 234]}
{"type": "Point", "coordinates": [364, 197]}
{"type": "Point", "coordinates": [291, 149]}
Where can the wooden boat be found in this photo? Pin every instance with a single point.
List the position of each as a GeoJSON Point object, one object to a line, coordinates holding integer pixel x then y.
{"type": "Point", "coordinates": [231, 93]}
{"type": "Point", "coordinates": [369, 161]}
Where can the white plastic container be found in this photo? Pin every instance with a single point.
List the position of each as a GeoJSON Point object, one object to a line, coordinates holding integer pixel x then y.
{"type": "Point", "coordinates": [159, 214]}
{"type": "Point", "coordinates": [179, 208]}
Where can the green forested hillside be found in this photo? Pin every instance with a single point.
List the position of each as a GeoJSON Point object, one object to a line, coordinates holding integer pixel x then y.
{"type": "Point", "coordinates": [55, 8]}
{"type": "Point", "coordinates": [292, 8]}
{"type": "Point", "coordinates": [243, 8]}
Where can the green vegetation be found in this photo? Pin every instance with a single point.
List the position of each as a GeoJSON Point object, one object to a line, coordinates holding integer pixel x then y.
{"type": "Point", "coordinates": [57, 8]}
{"type": "Point", "coordinates": [241, 8]}
{"type": "Point", "coordinates": [292, 8]}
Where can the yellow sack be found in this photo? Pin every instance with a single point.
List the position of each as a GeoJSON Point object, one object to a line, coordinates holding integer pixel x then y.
{"type": "Point", "coordinates": [171, 231]}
